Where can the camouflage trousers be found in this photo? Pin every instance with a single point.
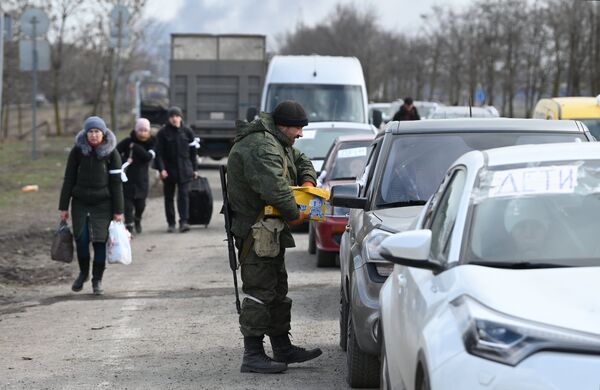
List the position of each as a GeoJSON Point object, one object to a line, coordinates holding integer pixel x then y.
{"type": "Point", "coordinates": [266, 309]}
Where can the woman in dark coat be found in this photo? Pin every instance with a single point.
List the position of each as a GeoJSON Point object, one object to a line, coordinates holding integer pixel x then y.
{"type": "Point", "coordinates": [138, 151]}
{"type": "Point", "coordinates": [93, 187]}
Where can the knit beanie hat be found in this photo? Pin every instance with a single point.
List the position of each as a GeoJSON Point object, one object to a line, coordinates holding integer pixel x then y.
{"type": "Point", "coordinates": [95, 122]}
{"type": "Point", "coordinates": [142, 123]}
{"type": "Point", "coordinates": [289, 113]}
{"type": "Point", "coordinates": [175, 111]}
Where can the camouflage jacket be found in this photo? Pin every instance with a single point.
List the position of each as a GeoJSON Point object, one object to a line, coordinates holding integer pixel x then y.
{"type": "Point", "coordinates": [255, 170]}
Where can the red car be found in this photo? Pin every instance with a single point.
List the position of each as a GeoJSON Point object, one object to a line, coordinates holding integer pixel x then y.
{"type": "Point", "coordinates": [345, 160]}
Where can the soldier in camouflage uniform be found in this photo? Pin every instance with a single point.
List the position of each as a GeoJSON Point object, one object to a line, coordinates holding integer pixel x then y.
{"type": "Point", "coordinates": [262, 165]}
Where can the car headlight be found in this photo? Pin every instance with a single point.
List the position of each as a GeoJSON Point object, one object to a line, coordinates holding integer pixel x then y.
{"type": "Point", "coordinates": [496, 336]}
{"type": "Point", "coordinates": [372, 245]}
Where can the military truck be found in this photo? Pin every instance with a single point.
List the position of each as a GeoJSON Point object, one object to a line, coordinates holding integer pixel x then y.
{"type": "Point", "coordinates": [216, 80]}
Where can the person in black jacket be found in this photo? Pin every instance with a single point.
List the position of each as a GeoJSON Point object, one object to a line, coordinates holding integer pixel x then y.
{"type": "Point", "coordinates": [177, 163]}
{"type": "Point", "coordinates": [407, 112]}
{"type": "Point", "coordinates": [92, 187]}
{"type": "Point", "coordinates": [138, 151]}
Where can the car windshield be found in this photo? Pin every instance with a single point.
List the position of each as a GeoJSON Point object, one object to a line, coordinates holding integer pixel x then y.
{"type": "Point", "coordinates": [349, 160]}
{"type": "Point", "coordinates": [316, 143]}
{"type": "Point", "coordinates": [322, 103]}
{"type": "Point", "coordinates": [594, 126]}
{"type": "Point", "coordinates": [536, 216]}
{"type": "Point", "coordinates": [416, 164]}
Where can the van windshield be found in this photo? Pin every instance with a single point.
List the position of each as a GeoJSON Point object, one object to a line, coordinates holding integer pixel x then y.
{"type": "Point", "coordinates": [343, 103]}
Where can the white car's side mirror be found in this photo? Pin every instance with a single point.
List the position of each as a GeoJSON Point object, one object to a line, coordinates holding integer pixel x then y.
{"type": "Point", "coordinates": [410, 248]}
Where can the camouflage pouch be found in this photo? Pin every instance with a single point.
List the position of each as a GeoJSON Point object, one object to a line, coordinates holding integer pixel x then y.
{"type": "Point", "coordinates": [266, 234]}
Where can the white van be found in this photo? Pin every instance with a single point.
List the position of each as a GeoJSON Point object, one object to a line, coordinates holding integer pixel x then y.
{"type": "Point", "coordinates": [331, 89]}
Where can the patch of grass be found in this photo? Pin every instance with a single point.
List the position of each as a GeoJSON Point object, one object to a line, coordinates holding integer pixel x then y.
{"type": "Point", "coordinates": [17, 169]}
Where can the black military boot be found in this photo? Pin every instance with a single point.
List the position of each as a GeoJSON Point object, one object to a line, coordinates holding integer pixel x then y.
{"type": "Point", "coordinates": [84, 274]}
{"type": "Point", "coordinates": [138, 225]}
{"type": "Point", "coordinates": [284, 351]}
{"type": "Point", "coordinates": [97, 272]}
{"type": "Point", "coordinates": [256, 360]}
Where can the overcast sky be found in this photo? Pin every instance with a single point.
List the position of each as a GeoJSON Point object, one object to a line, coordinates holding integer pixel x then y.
{"type": "Point", "coordinates": [275, 17]}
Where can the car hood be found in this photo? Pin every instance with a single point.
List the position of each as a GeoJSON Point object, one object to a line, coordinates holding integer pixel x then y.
{"type": "Point", "coordinates": [397, 219]}
{"type": "Point", "coordinates": [561, 297]}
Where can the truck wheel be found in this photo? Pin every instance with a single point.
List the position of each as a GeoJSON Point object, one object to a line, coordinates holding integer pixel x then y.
{"type": "Point", "coordinates": [362, 368]}
{"type": "Point", "coordinates": [343, 320]}
{"type": "Point", "coordinates": [325, 259]}
{"type": "Point", "coordinates": [312, 244]}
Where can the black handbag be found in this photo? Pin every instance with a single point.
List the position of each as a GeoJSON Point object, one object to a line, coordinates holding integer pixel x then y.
{"type": "Point", "coordinates": [62, 244]}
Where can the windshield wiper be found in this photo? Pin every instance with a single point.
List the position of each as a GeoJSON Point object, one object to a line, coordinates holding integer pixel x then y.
{"type": "Point", "coordinates": [518, 265]}
{"type": "Point", "coordinates": [405, 203]}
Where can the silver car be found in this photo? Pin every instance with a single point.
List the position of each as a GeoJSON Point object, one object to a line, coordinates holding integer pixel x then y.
{"type": "Point", "coordinates": [404, 167]}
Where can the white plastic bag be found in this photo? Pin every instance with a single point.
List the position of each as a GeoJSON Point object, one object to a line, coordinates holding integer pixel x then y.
{"type": "Point", "coordinates": [118, 247]}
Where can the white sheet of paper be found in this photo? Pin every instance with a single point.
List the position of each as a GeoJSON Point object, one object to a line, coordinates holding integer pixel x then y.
{"type": "Point", "coordinates": [537, 180]}
{"type": "Point", "coordinates": [317, 164]}
{"type": "Point", "coordinates": [309, 134]}
{"type": "Point", "coordinates": [352, 152]}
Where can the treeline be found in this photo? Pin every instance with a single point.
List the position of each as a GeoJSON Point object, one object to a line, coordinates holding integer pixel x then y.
{"type": "Point", "coordinates": [516, 51]}
{"type": "Point", "coordinates": [84, 66]}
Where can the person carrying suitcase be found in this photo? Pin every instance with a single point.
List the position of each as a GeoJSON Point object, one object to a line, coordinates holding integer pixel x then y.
{"type": "Point", "coordinates": [138, 151]}
{"type": "Point", "coordinates": [177, 163]}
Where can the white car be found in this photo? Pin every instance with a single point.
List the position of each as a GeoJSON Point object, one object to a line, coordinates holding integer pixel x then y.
{"type": "Point", "coordinates": [496, 285]}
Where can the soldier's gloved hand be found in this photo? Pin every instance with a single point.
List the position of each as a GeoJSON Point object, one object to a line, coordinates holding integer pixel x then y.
{"type": "Point", "coordinates": [297, 221]}
{"type": "Point", "coordinates": [307, 184]}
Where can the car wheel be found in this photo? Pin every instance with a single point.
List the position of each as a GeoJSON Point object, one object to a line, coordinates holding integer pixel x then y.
{"type": "Point", "coordinates": [362, 368]}
{"type": "Point", "coordinates": [384, 374]}
{"type": "Point", "coordinates": [343, 320]}
{"type": "Point", "coordinates": [422, 381]}
{"type": "Point", "coordinates": [312, 244]}
{"type": "Point", "coordinates": [325, 259]}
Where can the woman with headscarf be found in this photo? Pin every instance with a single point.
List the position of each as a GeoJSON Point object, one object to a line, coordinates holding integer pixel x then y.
{"type": "Point", "coordinates": [93, 187]}
{"type": "Point", "coordinates": [138, 151]}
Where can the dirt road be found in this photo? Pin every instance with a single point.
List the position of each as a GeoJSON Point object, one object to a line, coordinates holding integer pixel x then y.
{"type": "Point", "coordinates": [167, 321]}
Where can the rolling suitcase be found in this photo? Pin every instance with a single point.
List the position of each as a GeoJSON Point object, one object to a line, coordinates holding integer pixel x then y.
{"type": "Point", "coordinates": [201, 202]}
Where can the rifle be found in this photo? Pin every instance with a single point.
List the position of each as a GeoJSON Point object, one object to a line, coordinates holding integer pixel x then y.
{"type": "Point", "coordinates": [226, 211]}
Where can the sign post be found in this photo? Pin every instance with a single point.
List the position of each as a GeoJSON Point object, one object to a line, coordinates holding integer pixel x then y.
{"type": "Point", "coordinates": [34, 24]}
{"type": "Point", "coordinates": [1, 62]}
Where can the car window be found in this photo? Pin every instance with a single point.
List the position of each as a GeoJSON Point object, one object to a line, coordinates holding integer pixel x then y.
{"type": "Point", "coordinates": [367, 176]}
{"type": "Point", "coordinates": [349, 160]}
{"type": "Point", "coordinates": [444, 216]}
{"type": "Point", "coordinates": [417, 163]}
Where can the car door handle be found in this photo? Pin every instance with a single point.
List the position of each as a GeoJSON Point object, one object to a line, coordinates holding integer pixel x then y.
{"type": "Point", "coordinates": [401, 280]}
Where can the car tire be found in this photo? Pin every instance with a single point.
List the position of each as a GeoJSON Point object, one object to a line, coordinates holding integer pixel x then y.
{"type": "Point", "coordinates": [362, 369]}
{"type": "Point", "coordinates": [422, 379]}
{"type": "Point", "coordinates": [343, 320]}
{"type": "Point", "coordinates": [325, 259]}
{"type": "Point", "coordinates": [312, 244]}
{"type": "Point", "coordinates": [384, 373]}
